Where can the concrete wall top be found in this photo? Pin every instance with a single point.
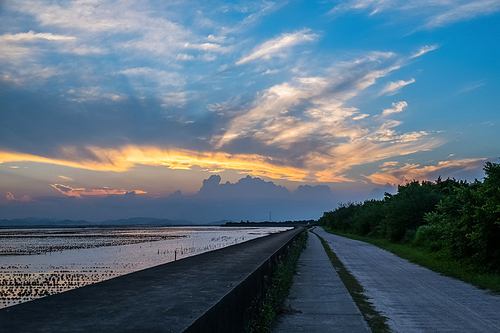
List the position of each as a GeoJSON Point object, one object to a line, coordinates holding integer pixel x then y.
{"type": "Point", "coordinates": [165, 298]}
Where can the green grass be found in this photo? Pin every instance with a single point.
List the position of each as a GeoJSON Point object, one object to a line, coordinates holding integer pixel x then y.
{"type": "Point", "coordinates": [376, 321]}
{"type": "Point", "coordinates": [274, 300]}
{"type": "Point", "coordinates": [435, 261]}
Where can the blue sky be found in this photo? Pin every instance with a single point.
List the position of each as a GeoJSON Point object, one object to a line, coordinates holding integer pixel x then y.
{"type": "Point", "coordinates": [104, 98]}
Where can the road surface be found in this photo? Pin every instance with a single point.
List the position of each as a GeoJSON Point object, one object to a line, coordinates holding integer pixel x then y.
{"type": "Point", "coordinates": [318, 300]}
{"type": "Point", "coordinates": [414, 298]}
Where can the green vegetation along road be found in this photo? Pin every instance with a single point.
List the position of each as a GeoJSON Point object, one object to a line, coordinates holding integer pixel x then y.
{"type": "Point", "coordinates": [413, 298]}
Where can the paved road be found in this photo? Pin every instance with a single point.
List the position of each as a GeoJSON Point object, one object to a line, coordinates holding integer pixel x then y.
{"type": "Point", "coordinates": [318, 300]}
{"type": "Point", "coordinates": [416, 299]}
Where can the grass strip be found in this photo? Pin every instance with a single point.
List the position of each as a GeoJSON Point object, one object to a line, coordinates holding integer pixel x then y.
{"type": "Point", "coordinates": [376, 321]}
{"type": "Point", "coordinates": [279, 288]}
{"type": "Point", "coordinates": [434, 261]}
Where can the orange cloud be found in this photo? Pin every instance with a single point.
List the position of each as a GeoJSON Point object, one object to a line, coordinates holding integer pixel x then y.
{"type": "Point", "coordinates": [11, 197]}
{"type": "Point", "coordinates": [122, 159]}
{"type": "Point", "coordinates": [78, 192]}
{"type": "Point", "coordinates": [390, 173]}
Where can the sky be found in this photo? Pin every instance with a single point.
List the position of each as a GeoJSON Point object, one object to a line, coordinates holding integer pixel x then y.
{"type": "Point", "coordinates": [210, 110]}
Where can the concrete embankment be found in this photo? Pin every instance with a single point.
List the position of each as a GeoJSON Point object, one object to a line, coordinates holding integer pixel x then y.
{"type": "Point", "coordinates": [213, 292]}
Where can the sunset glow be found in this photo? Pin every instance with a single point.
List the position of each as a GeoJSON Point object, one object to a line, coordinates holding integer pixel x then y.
{"type": "Point", "coordinates": [138, 107]}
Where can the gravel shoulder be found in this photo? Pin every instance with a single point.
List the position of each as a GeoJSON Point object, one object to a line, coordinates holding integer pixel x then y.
{"type": "Point", "coordinates": [414, 298]}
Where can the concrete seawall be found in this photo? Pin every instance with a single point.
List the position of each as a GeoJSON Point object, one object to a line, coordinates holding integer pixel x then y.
{"type": "Point", "coordinates": [216, 291]}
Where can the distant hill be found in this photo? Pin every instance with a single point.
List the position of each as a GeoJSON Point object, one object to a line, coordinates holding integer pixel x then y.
{"type": "Point", "coordinates": [32, 221]}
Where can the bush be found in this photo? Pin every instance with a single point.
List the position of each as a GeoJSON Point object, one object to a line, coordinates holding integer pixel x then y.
{"type": "Point", "coordinates": [459, 219]}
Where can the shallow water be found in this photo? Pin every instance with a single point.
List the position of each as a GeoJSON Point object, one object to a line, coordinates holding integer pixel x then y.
{"type": "Point", "coordinates": [37, 262]}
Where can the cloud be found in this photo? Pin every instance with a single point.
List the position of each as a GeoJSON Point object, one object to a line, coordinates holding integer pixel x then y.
{"type": "Point", "coordinates": [31, 74]}
{"type": "Point", "coordinates": [276, 47]}
{"type": "Point", "coordinates": [392, 88]}
{"type": "Point", "coordinates": [212, 47]}
{"type": "Point", "coordinates": [31, 36]}
{"type": "Point", "coordinates": [319, 102]}
{"type": "Point", "coordinates": [119, 160]}
{"type": "Point", "coordinates": [423, 50]}
{"type": "Point", "coordinates": [393, 174]}
{"type": "Point", "coordinates": [153, 34]}
{"type": "Point", "coordinates": [246, 199]}
{"type": "Point", "coordinates": [10, 196]}
{"type": "Point", "coordinates": [473, 86]}
{"type": "Point", "coordinates": [27, 45]}
{"type": "Point", "coordinates": [173, 99]}
{"type": "Point", "coordinates": [308, 120]}
{"type": "Point", "coordinates": [79, 192]}
{"type": "Point", "coordinates": [464, 11]}
{"type": "Point", "coordinates": [25, 198]}
{"type": "Point", "coordinates": [183, 56]}
{"type": "Point", "coordinates": [142, 75]}
{"type": "Point", "coordinates": [247, 187]}
{"type": "Point", "coordinates": [396, 108]}
{"type": "Point", "coordinates": [93, 94]}
{"type": "Point", "coordinates": [435, 13]}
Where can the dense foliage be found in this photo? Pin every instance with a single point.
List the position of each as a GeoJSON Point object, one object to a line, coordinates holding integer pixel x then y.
{"type": "Point", "coordinates": [461, 220]}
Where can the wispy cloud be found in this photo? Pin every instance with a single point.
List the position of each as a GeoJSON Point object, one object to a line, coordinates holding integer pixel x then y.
{"type": "Point", "coordinates": [78, 192]}
{"type": "Point", "coordinates": [276, 47]}
{"type": "Point", "coordinates": [29, 74]}
{"type": "Point", "coordinates": [90, 18]}
{"type": "Point", "coordinates": [308, 120]}
{"type": "Point", "coordinates": [161, 77]}
{"type": "Point", "coordinates": [464, 10]}
{"type": "Point", "coordinates": [473, 86]}
{"type": "Point", "coordinates": [435, 13]}
{"type": "Point", "coordinates": [122, 159]}
{"type": "Point", "coordinates": [423, 50]}
{"type": "Point", "coordinates": [392, 88]}
{"type": "Point", "coordinates": [396, 108]}
{"type": "Point", "coordinates": [394, 174]}
{"type": "Point", "coordinates": [31, 36]}
{"type": "Point", "coordinates": [320, 99]}
{"type": "Point", "coordinates": [93, 94]}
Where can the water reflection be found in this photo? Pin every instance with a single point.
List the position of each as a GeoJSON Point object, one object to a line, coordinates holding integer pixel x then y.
{"type": "Point", "coordinates": [40, 262]}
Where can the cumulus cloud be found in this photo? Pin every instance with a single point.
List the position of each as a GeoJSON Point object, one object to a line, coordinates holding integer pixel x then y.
{"type": "Point", "coordinates": [396, 108]}
{"type": "Point", "coordinates": [392, 88]}
{"type": "Point", "coordinates": [249, 198]}
{"type": "Point", "coordinates": [276, 47]}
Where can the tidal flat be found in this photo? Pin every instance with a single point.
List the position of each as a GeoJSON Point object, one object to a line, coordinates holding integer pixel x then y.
{"type": "Point", "coordinates": [37, 262]}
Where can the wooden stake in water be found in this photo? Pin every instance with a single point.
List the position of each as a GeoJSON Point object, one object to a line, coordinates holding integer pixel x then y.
{"type": "Point", "coordinates": [175, 255]}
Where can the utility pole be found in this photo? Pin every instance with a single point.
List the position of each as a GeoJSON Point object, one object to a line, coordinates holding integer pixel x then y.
{"type": "Point", "coordinates": [270, 219]}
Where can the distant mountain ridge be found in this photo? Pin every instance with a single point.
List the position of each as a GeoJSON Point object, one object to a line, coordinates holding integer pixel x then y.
{"type": "Point", "coordinates": [33, 221]}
